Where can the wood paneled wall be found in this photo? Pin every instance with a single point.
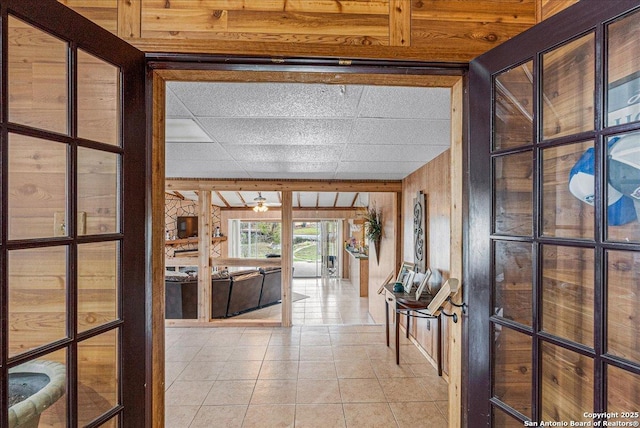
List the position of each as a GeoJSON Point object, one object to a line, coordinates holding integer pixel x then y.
{"type": "Point", "coordinates": [430, 30]}
{"type": "Point", "coordinates": [388, 258]}
{"type": "Point", "coordinates": [433, 179]}
{"type": "Point", "coordinates": [547, 8]}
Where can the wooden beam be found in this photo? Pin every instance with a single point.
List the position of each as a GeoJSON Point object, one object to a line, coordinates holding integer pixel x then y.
{"type": "Point", "coordinates": [284, 185]}
{"type": "Point", "coordinates": [204, 256]}
{"type": "Point", "coordinates": [336, 78]}
{"type": "Point", "coordinates": [286, 240]}
{"type": "Point", "coordinates": [295, 209]}
{"type": "Point", "coordinates": [317, 199]}
{"type": "Point", "coordinates": [355, 198]}
{"type": "Point", "coordinates": [299, 201]}
{"type": "Point", "coordinates": [224, 201]}
{"type": "Point", "coordinates": [242, 199]}
{"type": "Point", "coordinates": [335, 201]}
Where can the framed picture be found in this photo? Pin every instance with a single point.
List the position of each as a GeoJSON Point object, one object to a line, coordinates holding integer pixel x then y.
{"type": "Point", "coordinates": [404, 269]}
{"type": "Point", "coordinates": [407, 281]}
{"type": "Point", "coordinates": [386, 281]}
{"type": "Point", "coordinates": [423, 284]}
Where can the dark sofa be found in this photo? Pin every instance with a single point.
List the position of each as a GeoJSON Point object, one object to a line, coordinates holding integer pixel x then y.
{"type": "Point", "coordinates": [271, 286]}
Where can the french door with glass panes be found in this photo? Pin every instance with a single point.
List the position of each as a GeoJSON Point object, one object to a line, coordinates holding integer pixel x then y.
{"type": "Point", "coordinates": [554, 236]}
{"type": "Point", "coordinates": [72, 246]}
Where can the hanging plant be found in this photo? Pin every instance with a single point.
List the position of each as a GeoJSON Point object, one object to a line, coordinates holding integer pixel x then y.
{"type": "Point", "coordinates": [373, 228]}
{"type": "Point", "coordinates": [373, 223]}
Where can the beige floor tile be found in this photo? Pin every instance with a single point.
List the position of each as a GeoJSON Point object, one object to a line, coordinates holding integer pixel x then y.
{"type": "Point", "coordinates": [238, 370]}
{"type": "Point", "coordinates": [409, 354]}
{"type": "Point", "coordinates": [172, 370]}
{"type": "Point", "coordinates": [282, 353]}
{"type": "Point", "coordinates": [179, 416]}
{"type": "Point", "coordinates": [315, 339]}
{"type": "Point", "coordinates": [278, 369]}
{"type": "Point", "coordinates": [370, 415]}
{"type": "Point", "coordinates": [443, 406]}
{"type": "Point", "coordinates": [214, 353]}
{"type": "Point", "coordinates": [248, 353]}
{"type": "Point", "coordinates": [404, 389]}
{"type": "Point", "coordinates": [437, 387]}
{"type": "Point", "coordinates": [357, 368]}
{"type": "Point", "coordinates": [316, 353]}
{"type": "Point", "coordinates": [274, 392]}
{"type": "Point", "coordinates": [424, 370]}
{"type": "Point", "coordinates": [361, 391]}
{"type": "Point", "coordinates": [426, 412]}
{"type": "Point", "coordinates": [319, 416]}
{"type": "Point", "coordinates": [270, 415]}
{"type": "Point", "coordinates": [230, 392]}
{"type": "Point", "coordinates": [381, 352]}
{"type": "Point", "coordinates": [345, 339]}
{"type": "Point", "coordinates": [224, 339]}
{"type": "Point", "coordinates": [219, 416]}
{"type": "Point", "coordinates": [202, 370]}
{"type": "Point", "coordinates": [350, 352]}
{"type": "Point", "coordinates": [317, 370]}
{"type": "Point", "coordinates": [316, 391]}
{"type": "Point", "coordinates": [187, 393]}
{"type": "Point", "coordinates": [284, 340]}
{"type": "Point", "coordinates": [386, 369]}
{"type": "Point", "coordinates": [254, 339]}
{"type": "Point", "coordinates": [181, 353]}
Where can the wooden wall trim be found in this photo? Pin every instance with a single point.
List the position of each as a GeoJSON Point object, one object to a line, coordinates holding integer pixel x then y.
{"type": "Point", "coordinates": [338, 77]}
{"type": "Point", "coordinates": [456, 252]}
{"type": "Point", "coordinates": [283, 185]}
{"type": "Point", "coordinates": [156, 257]}
{"type": "Point", "coordinates": [129, 18]}
{"type": "Point", "coordinates": [399, 23]}
{"type": "Point", "coordinates": [204, 256]}
{"type": "Point", "coordinates": [287, 257]}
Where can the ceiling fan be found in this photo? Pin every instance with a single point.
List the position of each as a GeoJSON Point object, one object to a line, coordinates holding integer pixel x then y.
{"type": "Point", "coordinates": [261, 204]}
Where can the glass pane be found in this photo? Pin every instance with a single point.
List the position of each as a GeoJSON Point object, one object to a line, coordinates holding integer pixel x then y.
{"type": "Point", "coordinates": [567, 384]}
{"type": "Point", "coordinates": [568, 191]}
{"type": "Point", "coordinates": [623, 100]}
{"type": "Point", "coordinates": [37, 392]}
{"type": "Point", "coordinates": [503, 420]}
{"type": "Point", "coordinates": [512, 369]}
{"type": "Point", "coordinates": [97, 284]}
{"type": "Point", "coordinates": [623, 392]}
{"type": "Point", "coordinates": [513, 281]}
{"type": "Point", "coordinates": [37, 297]}
{"type": "Point", "coordinates": [623, 302]}
{"type": "Point", "coordinates": [567, 293]}
{"type": "Point", "coordinates": [97, 376]}
{"type": "Point", "coordinates": [568, 88]}
{"type": "Point", "coordinates": [38, 74]}
{"type": "Point", "coordinates": [98, 96]}
{"type": "Point", "coordinates": [513, 108]}
{"type": "Point", "coordinates": [513, 184]}
{"type": "Point", "coordinates": [37, 188]}
{"type": "Point", "coordinates": [623, 191]}
{"type": "Point", "coordinates": [98, 196]}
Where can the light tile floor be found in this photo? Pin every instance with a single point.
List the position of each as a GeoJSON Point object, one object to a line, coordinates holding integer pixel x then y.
{"type": "Point", "coordinates": [309, 375]}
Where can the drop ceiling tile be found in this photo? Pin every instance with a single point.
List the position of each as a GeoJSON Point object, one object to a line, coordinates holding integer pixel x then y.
{"type": "Point", "coordinates": [282, 153]}
{"type": "Point", "coordinates": [404, 102]}
{"type": "Point", "coordinates": [195, 151]}
{"type": "Point", "coordinates": [302, 167]}
{"type": "Point", "coordinates": [205, 169]}
{"type": "Point", "coordinates": [378, 167]}
{"type": "Point", "coordinates": [268, 99]}
{"type": "Point", "coordinates": [174, 107]}
{"type": "Point", "coordinates": [273, 131]}
{"type": "Point", "coordinates": [390, 153]}
{"type": "Point", "coordinates": [308, 199]}
{"type": "Point", "coordinates": [400, 132]}
{"type": "Point", "coordinates": [326, 199]}
{"type": "Point", "coordinates": [216, 200]}
{"type": "Point", "coordinates": [292, 175]}
{"type": "Point", "coordinates": [184, 130]}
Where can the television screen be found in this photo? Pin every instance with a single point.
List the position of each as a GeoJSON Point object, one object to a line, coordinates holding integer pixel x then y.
{"type": "Point", "coordinates": [187, 227]}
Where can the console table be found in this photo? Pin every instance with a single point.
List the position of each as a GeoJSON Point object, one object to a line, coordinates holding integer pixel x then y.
{"type": "Point", "coordinates": [406, 304]}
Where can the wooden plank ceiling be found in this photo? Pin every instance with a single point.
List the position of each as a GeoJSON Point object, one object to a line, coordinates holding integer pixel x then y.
{"type": "Point", "coordinates": [229, 199]}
